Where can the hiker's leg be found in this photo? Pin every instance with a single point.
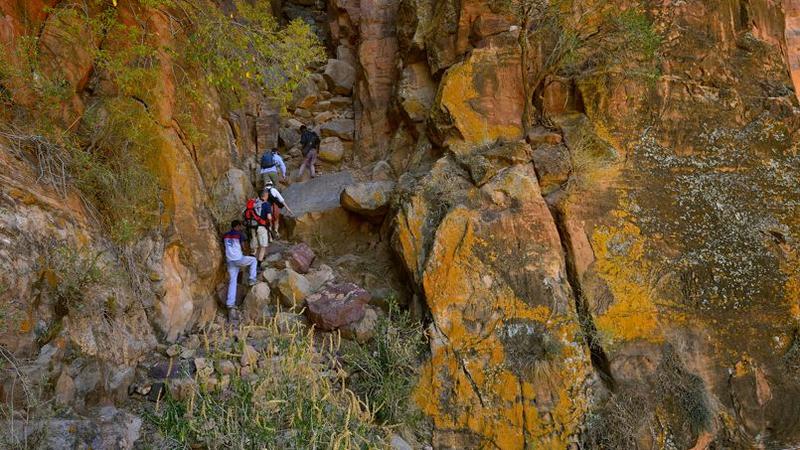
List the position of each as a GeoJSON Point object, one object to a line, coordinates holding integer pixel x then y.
{"type": "Point", "coordinates": [302, 169]}
{"type": "Point", "coordinates": [263, 242]}
{"type": "Point", "coordinates": [273, 176]}
{"type": "Point", "coordinates": [252, 263]}
{"type": "Point", "coordinates": [253, 241]}
{"type": "Point", "coordinates": [313, 157]}
{"type": "Point", "coordinates": [233, 274]}
{"type": "Point", "coordinates": [276, 217]}
{"type": "Point", "coordinates": [264, 178]}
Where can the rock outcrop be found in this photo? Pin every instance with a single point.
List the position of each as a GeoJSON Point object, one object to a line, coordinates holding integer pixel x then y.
{"type": "Point", "coordinates": [664, 253]}
{"type": "Point", "coordinates": [508, 364]}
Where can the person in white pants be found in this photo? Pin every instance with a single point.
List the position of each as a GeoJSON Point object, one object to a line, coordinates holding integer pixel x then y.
{"type": "Point", "coordinates": [235, 259]}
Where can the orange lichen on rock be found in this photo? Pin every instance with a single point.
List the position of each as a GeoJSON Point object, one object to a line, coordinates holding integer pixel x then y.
{"type": "Point", "coordinates": [481, 93]}
{"type": "Point", "coordinates": [619, 252]}
{"type": "Point", "coordinates": [481, 388]}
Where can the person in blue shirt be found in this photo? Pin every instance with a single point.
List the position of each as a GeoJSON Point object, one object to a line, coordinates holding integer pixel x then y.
{"type": "Point", "coordinates": [236, 260]}
{"type": "Point", "coordinates": [271, 161]}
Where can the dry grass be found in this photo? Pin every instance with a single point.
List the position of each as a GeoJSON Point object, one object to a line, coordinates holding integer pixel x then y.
{"type": "Point", "coordinates": [296, 398]}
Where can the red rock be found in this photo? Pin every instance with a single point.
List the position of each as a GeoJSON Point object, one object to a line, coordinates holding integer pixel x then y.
{"type": "Point", "coordinates": [301, 257]}
{"type": "Point", "coordinates": [337, 305]}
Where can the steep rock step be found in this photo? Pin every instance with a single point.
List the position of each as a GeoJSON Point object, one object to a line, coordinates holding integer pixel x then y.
{"type": "Point", "coordinates": [318, 215]}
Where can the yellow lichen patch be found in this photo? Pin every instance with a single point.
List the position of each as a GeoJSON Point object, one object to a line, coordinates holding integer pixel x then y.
{"type": "Point", "coordinates": [471, 385]}
{"type": "Point", "coordinates": [633, 313]}
{"type": "Point", "coordinates": [791, 288]}
{"type": "Point", "coordinates": [408, 234]}
{"type": "Point", "coordinates": [460, 97]}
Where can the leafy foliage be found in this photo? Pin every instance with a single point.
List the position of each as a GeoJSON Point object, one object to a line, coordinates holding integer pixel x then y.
{"type": "Point", "coordinates": [112, 170]}
{"type": "Point", "coordinates": [571, 37]}
{"type": "Point", "coordinates": [247, 49]}
{"type": "Point", "coordinates": [68, 274]}
{"type": "Point", "coordinates": [108, 150]}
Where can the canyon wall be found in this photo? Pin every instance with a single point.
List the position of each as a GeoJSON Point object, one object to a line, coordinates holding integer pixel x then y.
{"type": "Point", "coordinates": [621, 272]}
{"type": "Point", "coordinates": [630, 263]}
{"type": "Point", "coordinates": [177, 265]}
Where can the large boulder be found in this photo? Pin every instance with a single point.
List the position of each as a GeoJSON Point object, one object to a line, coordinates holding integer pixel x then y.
{"type": "Point", "coordinates": [257, 302]}
{"type": "Point", "coordinates": [306, 94]}
{"type": "Point", "coordinates": [369, 199]}
{"type": "Point", "coordinates": [318, 194]}
{"type": "Point", "coordinates": [319, 277]}
{"type": "Point", "coordinates": [346, 54]}
{"type": "Point", "coordinates": [331, 149]}
{"type": "Point", "coordinates": [468, 109]}
{"type": "Point", "coordinates": [293, 288]}
{"type": "Point", "coordinates": [483, 249]}
{"type": "Point", "coordinates": [337, 305]}
{"type": "Point", "coordinates": [340, 76]}
{"type": "Point", "coordinates": [318, 214]}
{"type": "Point", "coordinates": [341, 128]}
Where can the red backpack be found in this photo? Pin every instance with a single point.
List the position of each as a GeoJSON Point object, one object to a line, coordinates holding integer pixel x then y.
{"type": "Point", "coordinates": [252, 218]}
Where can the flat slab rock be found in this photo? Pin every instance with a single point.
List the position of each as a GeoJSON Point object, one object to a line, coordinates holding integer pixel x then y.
{"type": "Point", "coordinates": [337, 305]}
{"type": "Point", "coordinates": [317, 194]}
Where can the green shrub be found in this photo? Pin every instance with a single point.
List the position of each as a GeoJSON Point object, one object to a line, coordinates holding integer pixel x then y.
{"type": "Point", "coordinates": [108, 152]}
{"type": "Point", "coordinates": [112, 172]}
{"type": "Point", "coordinates": [68, 274]}
{"type": "Point", "coordinates": [385, 370]}
{"type": "Point", "coordinates": [247, 49]}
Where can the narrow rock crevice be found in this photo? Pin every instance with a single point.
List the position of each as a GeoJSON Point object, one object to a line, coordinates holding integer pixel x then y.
{"type": "Point", "coordinates": [597, 354]}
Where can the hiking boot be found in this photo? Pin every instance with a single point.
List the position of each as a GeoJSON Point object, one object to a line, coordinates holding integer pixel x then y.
{"type": "Point", "coordinates": [233, 314]}
{"type": "Point", "coordinates": [251, 283]}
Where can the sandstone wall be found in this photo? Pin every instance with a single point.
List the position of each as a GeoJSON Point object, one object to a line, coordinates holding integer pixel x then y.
{"type": "Point", "coordinates": [674, 205]}
{"type": "Point", "coordinates": [179, 264]}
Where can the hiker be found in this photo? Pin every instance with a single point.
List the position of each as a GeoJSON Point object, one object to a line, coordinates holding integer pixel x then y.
{"type": "Point", "coordinates": [309, 142]}
{"type": "Point", "coordinates": [236, 260]}
{"type": "Point", "coordinates": [273, 202]}
{"type": "Point", "coordinates": [270, 162]}
{"type": "Point", "coordinates": [257, 227]}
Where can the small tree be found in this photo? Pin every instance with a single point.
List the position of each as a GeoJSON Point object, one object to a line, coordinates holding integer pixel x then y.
{"type": "Point", "coordinates": [563, 36]}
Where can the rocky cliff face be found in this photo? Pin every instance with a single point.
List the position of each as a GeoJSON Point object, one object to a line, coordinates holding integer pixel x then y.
{"type": "Point", "coordinates": [668, 240]}
{"type": "Point", "coordinates": [620, 273]}
{"type": "Point", "coordinates": [178, 267]}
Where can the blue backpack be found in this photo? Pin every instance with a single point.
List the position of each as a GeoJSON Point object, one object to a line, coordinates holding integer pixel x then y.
{"type": "Point", "coordinates": [267, 160]}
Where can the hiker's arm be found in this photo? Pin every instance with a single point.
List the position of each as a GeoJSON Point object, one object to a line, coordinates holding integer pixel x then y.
{"type": "Point", "coordinates": [282, 165]}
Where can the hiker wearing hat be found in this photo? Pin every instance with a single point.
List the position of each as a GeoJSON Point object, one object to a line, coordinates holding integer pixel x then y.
{"type": "Point", "coordinates": [272, 203]}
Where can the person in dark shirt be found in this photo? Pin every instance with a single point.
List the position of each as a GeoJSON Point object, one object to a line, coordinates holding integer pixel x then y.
{"type": "Point", "coordinates": [309, 145]}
